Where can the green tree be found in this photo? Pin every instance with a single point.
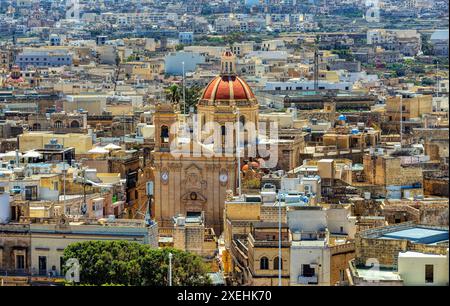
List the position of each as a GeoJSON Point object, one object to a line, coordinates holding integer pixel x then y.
{"type": "Point", "coordinates": [187, 268]}
{"type": "Point", "coordinates": [192, 95]}
{"type": "Point", "coordinates": [428, 82]}
{"type": "Point", "coordinates": [173, 94]}
{"type": "Point", "coordinates": [233, 38]}
{"type": "Point", "coordinates": [134, 264]}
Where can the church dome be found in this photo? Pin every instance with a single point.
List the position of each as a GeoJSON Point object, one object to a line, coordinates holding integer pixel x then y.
{"type": "Point", "coordinates": [227, 86]}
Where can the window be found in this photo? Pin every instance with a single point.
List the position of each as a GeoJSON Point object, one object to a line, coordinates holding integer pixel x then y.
{"type": "Point", "coordinates": [164, 134]}
{"type": "Point", "coordinates": [58, 124]}
{"type": "Point", "coordinates": [20, 262]}
{"type": "Point", "coordinates": [74, 124]}
{"type": "Point", "coordinates": [278, 263]}
{"type": "Point", "coordinates": [264, 263]}
{"type": "Point", "coordinates": [30, 193]}
{"type": "Point", "coordinates": [42, 265]}
{"type": "Point", "coordinates": [342, 229]}
{"type": "Point", "coordinates": [429, 273]}
{"type": "Point", "coordinates": [61, 265]}
{"type": "Point", "coordinates": [55, 186]}
{"type": "Point", "coordinates": [308, 271]}
{"type": "Point", "coordinates": [242, 120]}
{"type": "Point", "coordinates": [341, 275]}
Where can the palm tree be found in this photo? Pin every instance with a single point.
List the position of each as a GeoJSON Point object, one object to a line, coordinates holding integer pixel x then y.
{"type": "Point", "coordinates": [173, 94]}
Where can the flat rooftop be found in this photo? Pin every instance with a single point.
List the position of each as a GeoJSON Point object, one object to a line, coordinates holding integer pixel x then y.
{"type": "Point", "coordinates": [410, 254]}
{"type": "Point", "coordinates": [378, 274]}
{"type": "Point", "coordinates": [418, 235]}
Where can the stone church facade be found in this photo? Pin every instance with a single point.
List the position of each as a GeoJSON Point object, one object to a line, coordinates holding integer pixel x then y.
{"type": "Point", "coordinates": [188, 183]}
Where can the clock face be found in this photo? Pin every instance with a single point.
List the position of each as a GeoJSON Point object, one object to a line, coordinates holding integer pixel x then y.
{"type": "Point", "coordinates": [223, 178]}
{"type": "Point", "coordinates": [164, 176]}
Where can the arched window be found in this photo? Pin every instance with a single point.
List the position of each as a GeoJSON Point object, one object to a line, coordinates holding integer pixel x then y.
{"type": "Point", "coordinates": [242, 120]}
{"type": "Point", "coordinates": [74, 124]}
{"type": "Point", "coordinates": [277, 263]}
{"type": "Point", "coordinates": [202, 121]}
{"type": "Point", "coordinates": [264, 263]}
{"type": "Point", "coordinates": [164, 134]}
{"type": "Point", "coordinates": [58, 124]}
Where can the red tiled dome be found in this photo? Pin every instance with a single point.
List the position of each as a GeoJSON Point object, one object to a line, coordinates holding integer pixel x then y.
{"type": "Point", "coordinates": [227, 87]}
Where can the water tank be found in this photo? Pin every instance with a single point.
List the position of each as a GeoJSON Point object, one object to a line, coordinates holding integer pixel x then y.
{"type": "Point", "coordinates": [342, 118]}
{"type": "Point", "coordinates": [181, 221]}
{"type": "Point", "coordinates": [367, 195]}
{"type": "Point", "coordinates": [5, 208]}
{"type": "Point", "coordinates": [268, 196]}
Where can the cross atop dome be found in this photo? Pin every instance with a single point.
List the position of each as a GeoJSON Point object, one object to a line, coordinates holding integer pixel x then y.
{"type": "Point", "coordinates": [228, 63]}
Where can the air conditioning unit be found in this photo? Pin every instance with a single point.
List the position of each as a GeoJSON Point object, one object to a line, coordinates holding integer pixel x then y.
{"type": "Point", "coordinates": [181, 221]}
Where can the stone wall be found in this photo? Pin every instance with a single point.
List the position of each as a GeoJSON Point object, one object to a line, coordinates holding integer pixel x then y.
{"type": "Point", "coordinates": [437, 187]}
{"type": "Point", "coordinates": [400, 213]}
{"type": "Point", "coordinates": [14, 237]}
{"type": "Point", "coordinates": [435, 214]}
{"type": "Point", "coordinates": [340, 256]}
{"type": "Point", "coordinates": [270, 213]}
{"type": "Point", "coordinates": [370, 249]}
{"type": "Point", "coordinates": [382, 251]}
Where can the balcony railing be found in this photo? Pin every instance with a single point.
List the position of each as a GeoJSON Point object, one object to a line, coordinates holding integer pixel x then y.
{"type": "Point", "coordinates": [308, 280]}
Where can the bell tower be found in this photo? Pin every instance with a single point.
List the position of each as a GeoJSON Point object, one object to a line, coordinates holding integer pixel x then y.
{"type": "Point", "coordinates": [165, 120]}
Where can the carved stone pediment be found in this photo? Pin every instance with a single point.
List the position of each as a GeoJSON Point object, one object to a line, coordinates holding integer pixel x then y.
{"type": "Point", "coordinates": [193, 178]}
{"type": "Point", "coordinates": [193, 196]}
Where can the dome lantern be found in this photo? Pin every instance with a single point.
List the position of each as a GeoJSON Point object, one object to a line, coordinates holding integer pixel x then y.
{"type": "Point", "coordinates": [228, 63]}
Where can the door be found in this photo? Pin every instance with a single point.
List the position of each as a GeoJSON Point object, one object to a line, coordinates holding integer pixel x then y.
{"type": "Point", "coordinates": [42, 265]}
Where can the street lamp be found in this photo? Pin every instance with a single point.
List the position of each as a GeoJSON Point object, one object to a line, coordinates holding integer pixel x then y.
{"type": "Point", "coordinates": [184, 92]}
{"type": "Point", "coordinates": [238, 150]}
{"type": "Point", "coordinates": [279, 241]}
{"type": "Point", "coordinates": [170, 268]}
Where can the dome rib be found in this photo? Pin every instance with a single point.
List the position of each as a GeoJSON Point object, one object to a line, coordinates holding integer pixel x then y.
{"type": "Point", "coordinates": [227, 88]}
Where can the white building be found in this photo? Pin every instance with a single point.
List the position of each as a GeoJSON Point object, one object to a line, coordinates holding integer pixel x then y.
{"type": "Point", "coordinates": [174, 62]}
{"type": "Point", "coordinates": [419, 269]}
{"type": "Point", "coordinates": [311, 249]}
{"type": "Point", "coordinates": [304, 84]}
